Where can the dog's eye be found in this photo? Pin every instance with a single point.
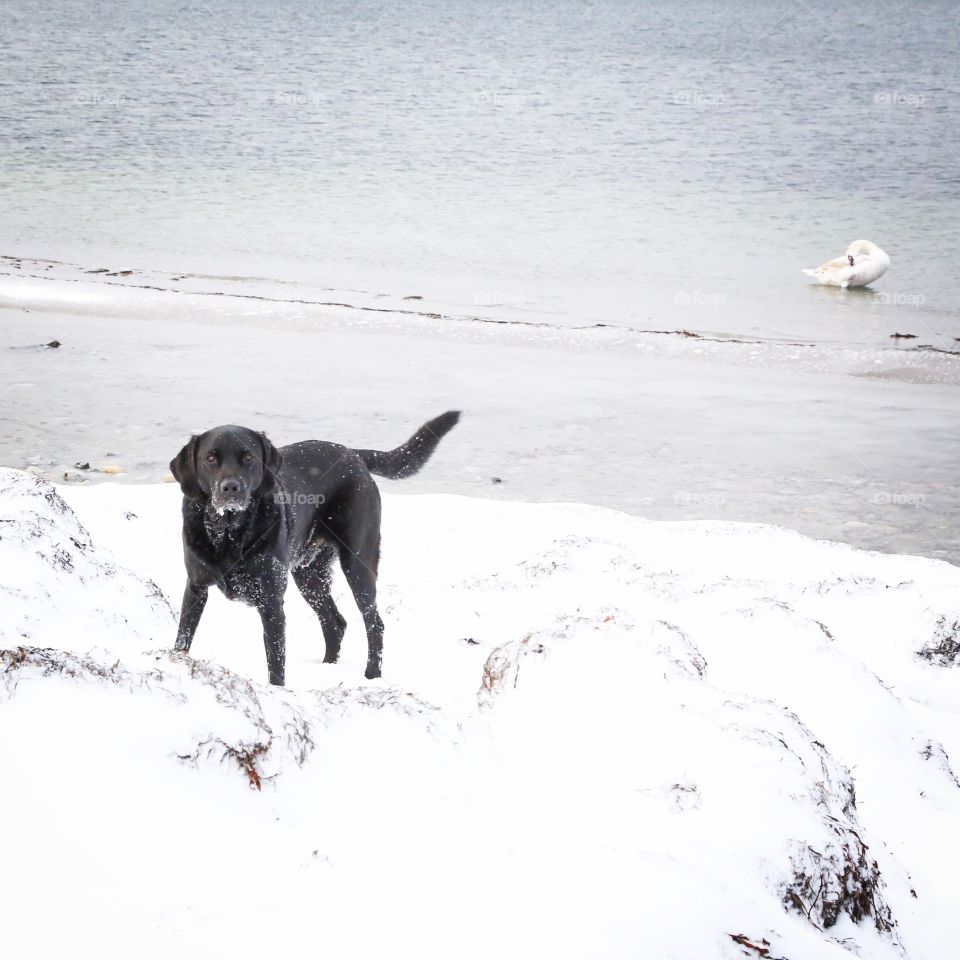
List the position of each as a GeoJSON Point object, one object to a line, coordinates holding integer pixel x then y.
{"type": "Point", "coordinates": [247, 456]}
{"type": "Point", "coordinates": [211, 458]}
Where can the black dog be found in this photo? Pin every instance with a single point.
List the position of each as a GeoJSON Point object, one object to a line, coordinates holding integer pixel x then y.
{"type": "Point", "coordinates": [252, 514]}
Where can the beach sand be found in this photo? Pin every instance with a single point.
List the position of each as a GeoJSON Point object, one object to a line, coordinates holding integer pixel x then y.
{"type": "Point", "coordinates": [841, 443]}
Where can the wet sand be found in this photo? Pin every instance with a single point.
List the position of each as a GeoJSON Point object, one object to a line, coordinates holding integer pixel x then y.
{"type": "Point", "coordinates": [838, 444]}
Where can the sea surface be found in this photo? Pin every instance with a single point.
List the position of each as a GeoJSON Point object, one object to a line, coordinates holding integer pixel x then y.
{"type": "Point", "coordinates": [621, 161]}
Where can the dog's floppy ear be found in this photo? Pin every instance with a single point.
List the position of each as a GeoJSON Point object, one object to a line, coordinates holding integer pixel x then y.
{"type": "Point", "coordinates": [272, 458]}
{"type": "Point", "coordinates": [184, 469]}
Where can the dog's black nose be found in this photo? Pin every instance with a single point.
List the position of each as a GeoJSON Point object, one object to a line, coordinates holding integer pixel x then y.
{"type": "Point", "coordinates": [229, 486]}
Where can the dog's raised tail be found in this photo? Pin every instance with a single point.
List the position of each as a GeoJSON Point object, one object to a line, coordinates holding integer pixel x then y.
{"type": "Point", "coordinates": [409, 457]}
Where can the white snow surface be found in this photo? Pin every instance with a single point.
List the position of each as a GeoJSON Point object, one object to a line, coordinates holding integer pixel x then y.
{"type": "Point", "coordinates": [596, 736]}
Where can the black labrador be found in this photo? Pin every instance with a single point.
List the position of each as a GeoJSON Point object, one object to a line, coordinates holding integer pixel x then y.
{"type": "Point", "coordinates": [253, 513]}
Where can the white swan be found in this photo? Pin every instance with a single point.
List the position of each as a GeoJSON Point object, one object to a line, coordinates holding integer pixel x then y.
{"type": "Point", "coordinates": [863, 263]}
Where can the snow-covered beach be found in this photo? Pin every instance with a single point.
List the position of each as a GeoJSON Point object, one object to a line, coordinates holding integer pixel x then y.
{"type": "Point", "coordinates": [672, 649]}
{"type": "Point", "coordinates": [596, 735]}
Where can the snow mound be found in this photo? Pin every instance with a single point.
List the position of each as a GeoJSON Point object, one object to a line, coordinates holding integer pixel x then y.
{"type": "Point", "coordinates": [709, 773]}
{"type": "Point", "coordinates": [210, 715]}
{"type": "Point", "coordinates": [61, 589]}
{"type": "Point", "coordinates": [599, 737]}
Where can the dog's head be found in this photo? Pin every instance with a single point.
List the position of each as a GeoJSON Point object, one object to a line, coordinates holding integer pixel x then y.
{"type": "Point", "coordinates": [227, 466]}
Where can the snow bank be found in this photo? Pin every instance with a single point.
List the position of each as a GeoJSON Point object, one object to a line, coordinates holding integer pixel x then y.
{"type": "Point", "coordinates": [58, 588]}
{"type": "Point", "coordinates": [596, 736]}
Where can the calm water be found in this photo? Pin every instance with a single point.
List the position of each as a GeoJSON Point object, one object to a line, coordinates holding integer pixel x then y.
{"type": "Point", "coordinates": [619, 161]}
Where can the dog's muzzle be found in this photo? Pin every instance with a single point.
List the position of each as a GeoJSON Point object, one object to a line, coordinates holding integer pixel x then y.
{"type": "Point", "coordinates": [229, 497]}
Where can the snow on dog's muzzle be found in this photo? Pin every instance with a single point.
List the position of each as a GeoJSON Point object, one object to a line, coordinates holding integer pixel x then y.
{"type": "Point", "coordinates": [229, 496]}
{"type": "Point", "coordinates": [229, 506]}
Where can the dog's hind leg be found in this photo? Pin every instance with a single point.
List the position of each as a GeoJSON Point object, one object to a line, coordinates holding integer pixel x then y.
{"type": "Point", "coordinates": [360, 569]}
{"type": "Point", "coordinates": [313, 581]}
{"type": "Point", "coordinates": [356, 530]}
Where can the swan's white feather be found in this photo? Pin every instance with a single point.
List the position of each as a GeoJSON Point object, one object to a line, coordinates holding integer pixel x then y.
{"type": "Point", "coordinates": [869, 264]}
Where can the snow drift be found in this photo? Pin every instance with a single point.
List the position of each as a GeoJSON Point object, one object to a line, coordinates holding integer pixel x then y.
{"type": "Point", "coordinates": [596, 736]}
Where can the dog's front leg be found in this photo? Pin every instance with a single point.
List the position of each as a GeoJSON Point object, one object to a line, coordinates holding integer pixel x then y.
{"type": "Point", "coordinates": [274, 638]}
{"type": "Point", "coordinates": [194, 600]}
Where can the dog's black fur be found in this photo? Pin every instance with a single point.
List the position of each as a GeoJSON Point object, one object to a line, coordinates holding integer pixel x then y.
{"type": "Point", "coordinates": [253, 513]}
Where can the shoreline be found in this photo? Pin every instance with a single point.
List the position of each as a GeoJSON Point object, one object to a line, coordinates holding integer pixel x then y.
{"type": "Point", "coordinates": [699, 325]}
{"type": "Point", "coordinates": [840, 444]}
{"type": "Point", "coordinates": [900, 355]}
